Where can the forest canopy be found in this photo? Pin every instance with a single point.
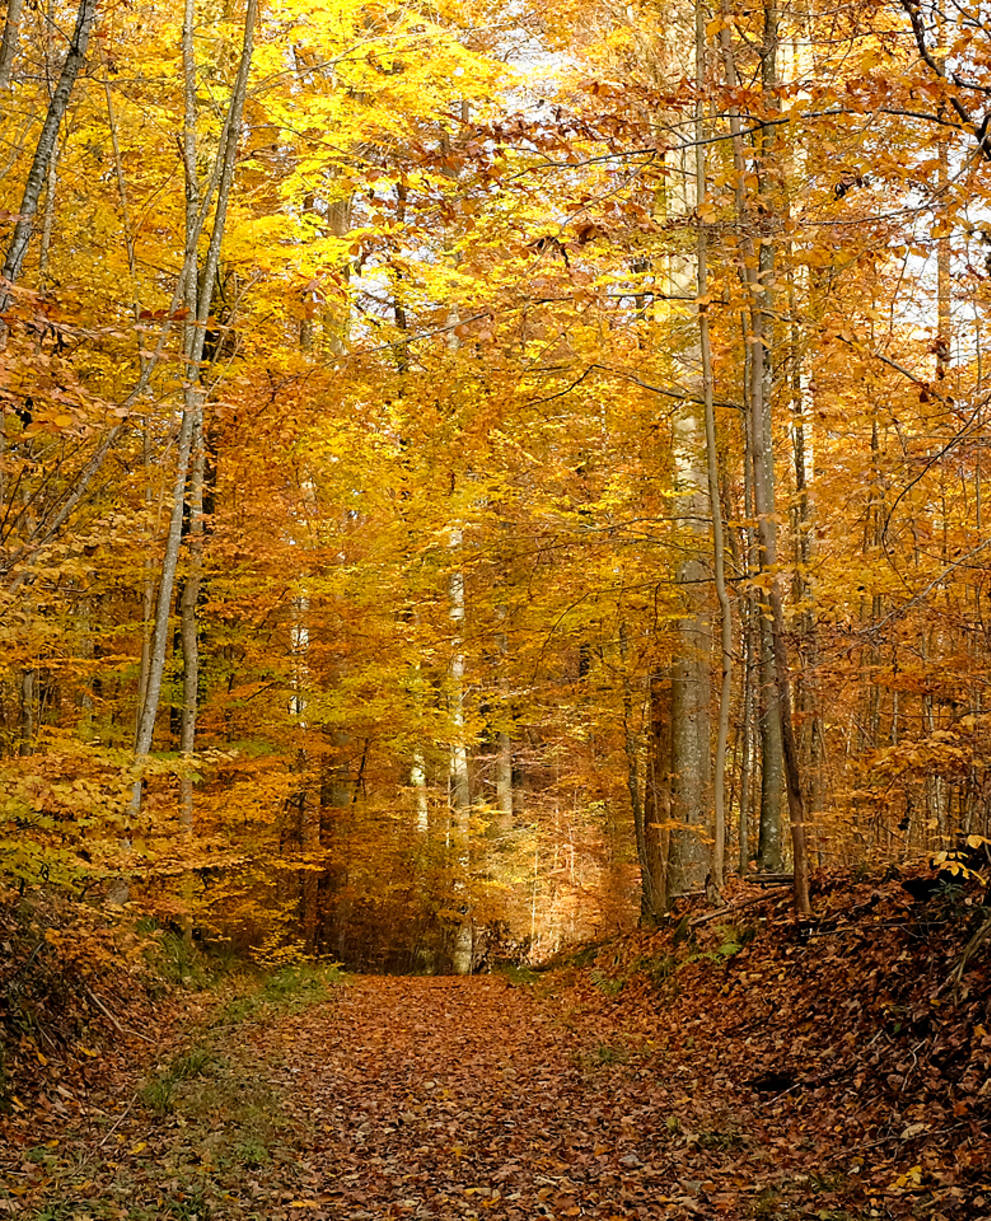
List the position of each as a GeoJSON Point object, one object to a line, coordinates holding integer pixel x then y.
{"type": "Point", "coordinates": [472, 475]}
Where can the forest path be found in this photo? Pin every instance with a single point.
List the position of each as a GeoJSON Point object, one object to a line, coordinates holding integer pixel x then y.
{"type": "Point", "coordinates": [470, 1098]}
{"type": "Point", "coordinates": [447, 1099]}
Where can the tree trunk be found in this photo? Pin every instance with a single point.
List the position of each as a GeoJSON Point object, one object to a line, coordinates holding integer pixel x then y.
{"type": "Point", "coordinates": [459, 786]}
{"type": "Point", "coordinates": [193, 405]}
{"type": "Point", "coordinates": [769, 857]}
{"type": "Point", "coordinates": [652, 853]}
{"type": "Point", "coordinates": [193, 355]}
{"type": "Point", "coordinates": [712, 472]}
{"type": "Point", "coordinates": [504, 742]}
{"type": "Point", "coordinates": [45, 150]}
{"type": "Point", "coordinates": [759, 271]}
{"type": "Point", "coordinates": [11, 36]}
{"type": "Point", "coordinates": [690, 769]}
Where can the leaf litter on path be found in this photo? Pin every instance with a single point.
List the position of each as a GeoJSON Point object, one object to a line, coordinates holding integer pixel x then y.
{"type": "Point", "coordinates": [458, 1100]}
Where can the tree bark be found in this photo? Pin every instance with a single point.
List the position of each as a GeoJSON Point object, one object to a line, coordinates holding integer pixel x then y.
{"type": "Point", "coordinates": [504, 742]}
{"type": "Point", "coordinates": [195, 337]}
{"type": "Point", "coordinates": [712, 472]}
{"type": "Point", "coordinates": [460, 792]}
{"type": "Point", "coordinates": [690, 768]}
{"type": "Point", "coordinates": [759, 271]}
{"type": "Point", "coordinates": [652, 852]}
{"type": "Point", "coordinates": [45, 150]}
{"type": "Point", "coordinates": [11, 37]}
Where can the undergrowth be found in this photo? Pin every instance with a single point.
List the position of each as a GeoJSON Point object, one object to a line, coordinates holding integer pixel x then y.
{"type": "Point", "coordinates": [74, 980]}
{"type": "Point", "coordinates": [218, 1088]}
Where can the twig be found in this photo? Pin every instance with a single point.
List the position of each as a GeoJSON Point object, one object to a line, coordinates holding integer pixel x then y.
{"type": "Point", "coordinates": [117, 1122]}
{"type": "Point", "coordinates": [955, 977]}
{"type": "Point", "coordinates": [730, 907]}
{"type": "Point", "coordinates": [885, 1140]}
{"type": "Point", "coordinates": [113, 1020]}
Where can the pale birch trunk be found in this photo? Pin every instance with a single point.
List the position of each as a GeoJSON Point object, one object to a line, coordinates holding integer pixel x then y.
{"type": "Point", "coordinates": [418, 781]}
{"type": "Point", "coordinates": [193, 405]}
{"type": "Point", "coordinates": [504, 743]}
{"type": "Point", "coordinates": [459, 781]}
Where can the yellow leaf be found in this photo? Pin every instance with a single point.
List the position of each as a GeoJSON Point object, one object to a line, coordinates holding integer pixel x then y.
{"type": "Point", "coordinates": [908, 1181]}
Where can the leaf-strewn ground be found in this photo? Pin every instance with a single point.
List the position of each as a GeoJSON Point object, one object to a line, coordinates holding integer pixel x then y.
{"type": "Point", "coordinates": [710, 1071]}
{"type": "Point", "coordinates": [404, 1097]}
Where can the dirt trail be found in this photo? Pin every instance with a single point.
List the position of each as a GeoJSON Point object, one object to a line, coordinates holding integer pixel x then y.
{"type": "Point", "coordinates": [448, 1099]}
{"type": "Point", "coordinates": [468, 1098]}
{"type": "Point", "coordinates": [755, 1078]}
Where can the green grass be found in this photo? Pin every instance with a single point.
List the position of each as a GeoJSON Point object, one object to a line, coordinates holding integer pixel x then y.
{"type": "Point", "coordinates": [288, 989]}
{"type": "Point", "coordinates": [517, 975]}
{"type": "Point", "coordinates": [609, 985]}
{"type": "Point", "coordinates": [177, 961]}
{"type": "Point", "coordinates": [611, 1053]}
{"type": "Point", "coordinates": [159, 1094]}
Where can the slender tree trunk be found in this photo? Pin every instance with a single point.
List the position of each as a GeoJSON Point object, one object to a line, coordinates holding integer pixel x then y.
{"type": "Point", "coordinates": [751, 700]}
{"type": "Point", "coordinates": [688, 852]}
{"type": "Point", "coordinates": [193, 405]}
{"type": "Point", "coordinates": [45, 149]}
{"type": "Point", "coordinates": [11, 37]}
{"type": "Point", "coordinates": [48, 219]}
{"type": "Point", "coordinates": [712, 471]}
{"type": "Point", "coordinates": [418, 781]}
{"type": "Point", "coordinates": [193, 355]}
{"type": "Point", "coordinates": [769, 854]}
{"type": "Point", "coordinates": [147, 582]}
{"type": "Point", "coordinates": [460, 792]}
{"type": "Point", "coordinates": [806, 694]}
{"type": "Point", "coordinates": [746, 742]}
{"type": "Point", "coordinates": [504, 742]}
{"type": "Point", "coordinates": [759, 264]}
{"type": "Point", "coordinates": [653, 852]}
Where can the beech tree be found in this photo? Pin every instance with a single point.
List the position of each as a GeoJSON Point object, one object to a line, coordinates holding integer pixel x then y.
{"type": "Point", "coordinates": [441, 491]}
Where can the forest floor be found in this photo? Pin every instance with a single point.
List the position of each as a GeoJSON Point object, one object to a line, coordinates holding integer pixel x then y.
{"type": "Point", "coordinates": [699, 1072]}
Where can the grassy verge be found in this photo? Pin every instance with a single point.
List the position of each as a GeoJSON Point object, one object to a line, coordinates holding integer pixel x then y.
{"type": "Point", "coordinates": [200, 1133]}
